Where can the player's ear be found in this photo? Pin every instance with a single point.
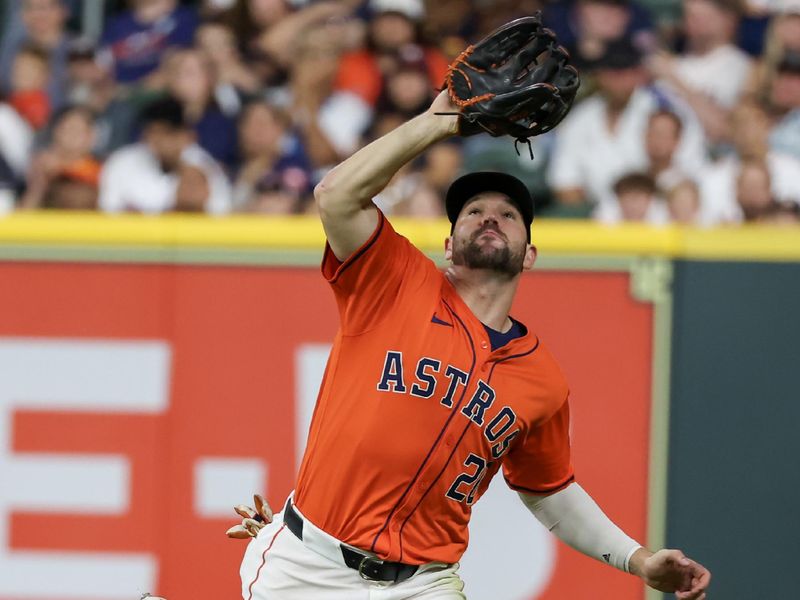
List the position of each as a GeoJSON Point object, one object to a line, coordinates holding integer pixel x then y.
{"type": "Point", "coordinates": [448, 248]}
{"type": "Point", "coordinates": [530, 257]}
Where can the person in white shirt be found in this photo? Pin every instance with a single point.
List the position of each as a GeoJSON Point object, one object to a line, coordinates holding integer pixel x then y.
{"type": "Point", "coordinates": [750, 129]}
{"type": "Point", "coordinates": [16, 140]}
{"type": "Point", "coordinates": [712, 72]}
{"type": "Point", "coordinates": [662, 140]}
{"type": "Point", "coordinates": [165, 171]}
{"type": "Point", "coordinates": [603, 137]}
{"type": "Point", "coordinates": [784, 103]}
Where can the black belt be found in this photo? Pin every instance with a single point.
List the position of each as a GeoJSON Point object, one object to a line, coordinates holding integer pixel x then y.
{"type": "Point", "coordinates": [370, 568]}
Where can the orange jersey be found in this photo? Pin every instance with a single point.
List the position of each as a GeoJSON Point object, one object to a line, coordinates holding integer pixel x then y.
{"type": "Point", "coordinates": [416, 413]}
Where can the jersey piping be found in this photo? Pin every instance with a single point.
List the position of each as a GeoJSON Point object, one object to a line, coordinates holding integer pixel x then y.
{"type": "Point", "coordinates": [460, 438]}
{"type": "Point", "coordinates": [438, 438]}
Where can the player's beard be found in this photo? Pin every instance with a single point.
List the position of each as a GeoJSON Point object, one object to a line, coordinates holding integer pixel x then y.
{"type": "Point", "coordinates": [477, 255]}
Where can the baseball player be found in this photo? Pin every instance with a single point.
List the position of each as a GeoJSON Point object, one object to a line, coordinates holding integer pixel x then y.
{"type": "Point", "coordinates": [431, 388]}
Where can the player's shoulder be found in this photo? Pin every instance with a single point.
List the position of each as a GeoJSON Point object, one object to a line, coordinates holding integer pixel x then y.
{"type": "Point", "coordinates": [414, 253]}
{"type": "Point", "coordinates": [549, 373]}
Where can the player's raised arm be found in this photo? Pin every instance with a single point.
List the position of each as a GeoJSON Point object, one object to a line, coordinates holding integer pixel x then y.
{"type": "Point", "coordinates": [574, 517]}
{"type": "Point", "coordinates": [345, 194]}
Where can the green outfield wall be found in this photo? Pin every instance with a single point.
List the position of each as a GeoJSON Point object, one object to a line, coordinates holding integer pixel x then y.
{"type": "Point", "coordinates": [734, 458]}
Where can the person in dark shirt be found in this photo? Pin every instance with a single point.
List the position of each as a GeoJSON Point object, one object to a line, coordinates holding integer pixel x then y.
{"type": "Point", "coordinates": [137, 39]}
{"type": "Point", "coordinates": [190, 79]}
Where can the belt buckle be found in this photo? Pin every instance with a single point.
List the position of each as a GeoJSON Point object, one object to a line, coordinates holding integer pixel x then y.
{"type": "Point", "coordinates": [363, 563]}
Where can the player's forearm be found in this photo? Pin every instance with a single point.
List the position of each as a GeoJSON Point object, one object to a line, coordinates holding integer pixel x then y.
{"type": "Point", "coordinates": [351, 186]}
{"type": "Point", "coordinates": [576, 520]}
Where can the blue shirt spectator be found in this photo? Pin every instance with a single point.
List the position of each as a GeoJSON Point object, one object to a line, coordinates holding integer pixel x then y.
{"type": "Point", "coordinates": [216, 133]}
{"type": "Point", "coordinates": [137, 39]}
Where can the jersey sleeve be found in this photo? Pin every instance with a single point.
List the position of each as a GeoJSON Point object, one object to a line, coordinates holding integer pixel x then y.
{"type": "Point", "coordinates": [541, 463]}
{"type": "Point", "coordinates": [371, 284]}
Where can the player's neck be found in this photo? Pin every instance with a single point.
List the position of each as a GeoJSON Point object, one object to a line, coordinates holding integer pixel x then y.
{"type": "Point", "coordinates": [488, 295]}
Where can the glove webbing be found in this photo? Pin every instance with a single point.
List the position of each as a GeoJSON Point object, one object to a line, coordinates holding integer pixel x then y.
{"type": "Point", "coordinates": [462, 58]}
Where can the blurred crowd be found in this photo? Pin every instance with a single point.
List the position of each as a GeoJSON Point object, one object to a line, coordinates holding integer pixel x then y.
{"type": "Point", "coordinates": [689, 110]}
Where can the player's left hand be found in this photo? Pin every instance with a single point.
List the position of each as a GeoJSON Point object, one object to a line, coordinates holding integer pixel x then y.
{"type": "Point", "coordinates": [671, 571]}
{"type": "Point", "coordinates": [253, 519]}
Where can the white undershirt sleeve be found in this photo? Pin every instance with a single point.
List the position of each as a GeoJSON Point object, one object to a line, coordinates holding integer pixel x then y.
{"type": "Point", "coordinates": [576, 520]}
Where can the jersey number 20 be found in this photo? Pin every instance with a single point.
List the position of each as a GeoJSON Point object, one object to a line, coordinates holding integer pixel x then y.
{"type": "Point", "coordinates": [471, 480]}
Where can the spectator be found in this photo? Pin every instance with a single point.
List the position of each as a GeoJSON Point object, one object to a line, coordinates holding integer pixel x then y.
{"type": "Point", "coordinates": [42, 26]}
{"type": "Point", "coordinates": [750, 130]}
{"type": "Point", "coordinates": [683, 203]}
{"type": "Point", "coordinates": [274, 162]}
{"type": "Point", "coordinates": [278, 193]}
{"type": "Point", "coordinates": [137, 39]}
{"type": "Point", "coordinates": [8, 187]}
{"type": "Point", "coordinates": [452, 22]}
{"type": "Point", "coordinates": [783, 35]}
{"type": "Point", "coordinates": [712, 72]}
{"type": "Point", "coordinates": [419, 188]}
{"type": "Point", "coordinates": [252, 20]}
{"type": "Point", "coordinates": [269, 29]}
{"type": "Point", "coordinates": [16, 140]}
{"type": "Point", "coordinates": [784, 213]}
{"type": "Point", "coordinates": [361, 74]}
{"type": "Point", "coordinates": [190, 80]}
{"type": "Point", "coordinates": [603, 137]}
{"type": "Point", "coordinates": [785, 104]}
{"type": "Point", "coordinates": [90, 83]}
{"type": "Point", "coordinates": [662, 139]}
{"type": "Point", "coordinates": [235, 80]}
{"type": "Point", "coordinates": [166, 171]}
{"type": "Point", "coordinates": [29, 74]}
{"type": "Point", "coordinates": [754, 191]}
{"type": "Point", "coordinates": [636, 202]}
{"type": "Point", "coordinates": [407, 90]}
{"type": "Point", "coordinates": [585, 27]}
{"type": "Point", "coordinates": [312, 72]}
{"type": "Point", "coordinates": [66, 165]}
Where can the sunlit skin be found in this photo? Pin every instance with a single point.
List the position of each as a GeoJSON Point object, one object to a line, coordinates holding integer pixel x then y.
{"type": "Point", "coordinates": [488, 251]}
{"type": "Point", "coordinates": [490, 235]}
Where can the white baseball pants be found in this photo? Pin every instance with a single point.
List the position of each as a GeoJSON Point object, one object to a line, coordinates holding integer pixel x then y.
{"type": "Point", "coordinates": [278, 566]}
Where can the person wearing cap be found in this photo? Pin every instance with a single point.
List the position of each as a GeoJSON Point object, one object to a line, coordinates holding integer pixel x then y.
{"type": "Point", "coordinates": [430, 389]}
{"type": "Point", "coordinates": [604, 136]}
{"type": "Point", "coordinates": [393, 42]}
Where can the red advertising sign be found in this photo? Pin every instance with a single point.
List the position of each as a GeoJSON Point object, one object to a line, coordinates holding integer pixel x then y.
{"type": "Point", "coordinates": [138, 403]}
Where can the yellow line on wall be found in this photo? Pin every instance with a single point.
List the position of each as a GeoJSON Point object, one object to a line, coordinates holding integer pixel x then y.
{"type": "Point", "coordinates": [305, 232]}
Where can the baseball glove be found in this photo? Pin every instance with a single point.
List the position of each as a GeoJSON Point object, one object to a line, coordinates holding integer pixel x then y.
{"type": "Point", "coordinates": [517, 81]}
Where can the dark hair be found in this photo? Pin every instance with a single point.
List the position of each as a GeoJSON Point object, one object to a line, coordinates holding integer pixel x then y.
{"type": "Point", "coordinates": [790, 62]}
{"type": "Point", "coordinates": [64, 111]}
{"type": "Point", "coordinates": [35, 50]}
{"type": "Point", "coordinates": [166, 110]}
{"type": "Point", "coordinates": [635, 182]}
{"type": "Point", "coordinates": [279, 113]}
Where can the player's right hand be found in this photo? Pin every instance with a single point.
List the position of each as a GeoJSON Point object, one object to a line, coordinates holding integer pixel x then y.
{"type": "Point", "coordinates": [253, 519]}
{"type": "Point", "coordinates": [672, 571]}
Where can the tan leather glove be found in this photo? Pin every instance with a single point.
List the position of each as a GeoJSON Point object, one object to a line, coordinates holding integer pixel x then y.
{"type": "Point", "coordinates": [252, 519]}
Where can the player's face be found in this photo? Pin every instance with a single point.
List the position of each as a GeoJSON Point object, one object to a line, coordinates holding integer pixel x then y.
{"type": "Point", "coordinates": [491, 234]}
